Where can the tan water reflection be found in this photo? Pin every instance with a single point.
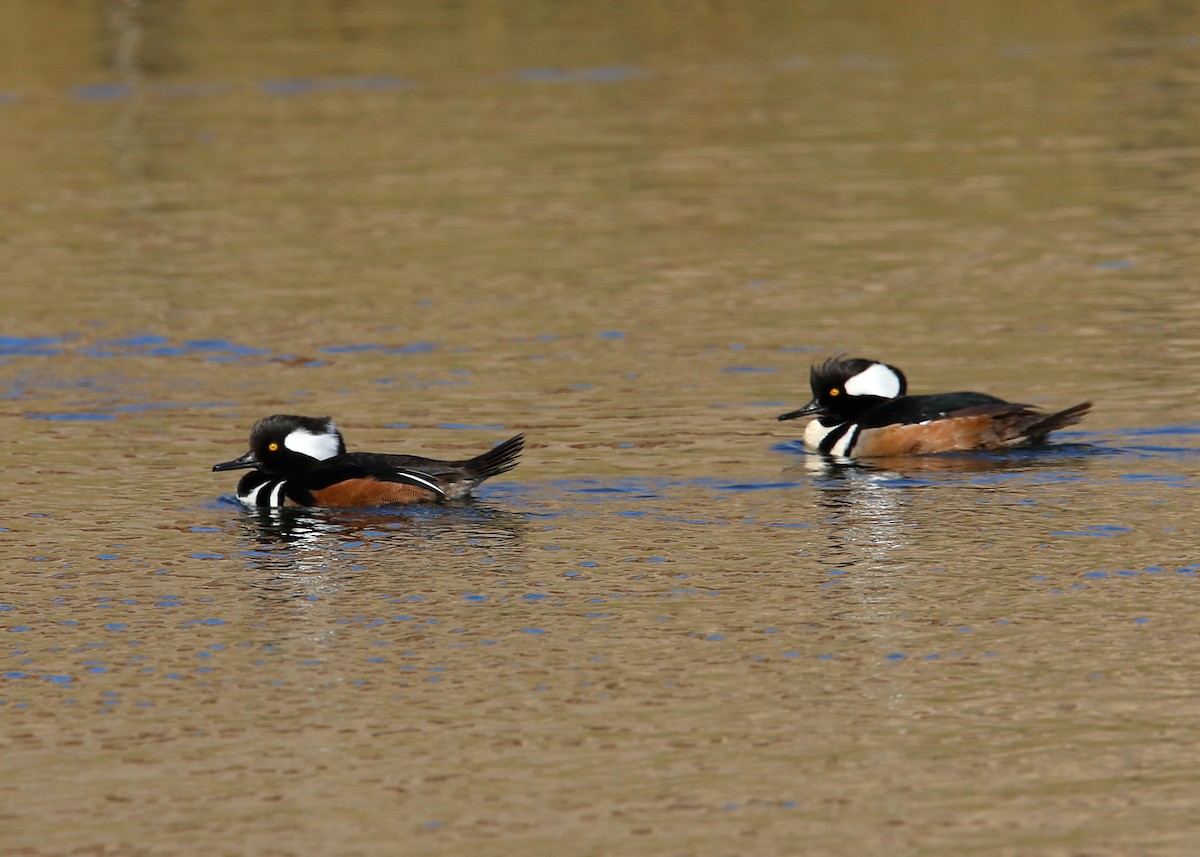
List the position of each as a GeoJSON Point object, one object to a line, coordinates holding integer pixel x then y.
{"type": "Point", "coordinates": [625, 231]}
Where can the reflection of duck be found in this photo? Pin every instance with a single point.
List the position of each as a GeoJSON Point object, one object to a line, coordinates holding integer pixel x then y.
{"type": "Point", "coordinates": [967, 462]}
{"type": "Point", "coordinates": [306, 548]}
{"type": "Point", "coordinates": [885, 514]}
{"type": "Point", "coordinates": [302, 461]}
{"type": "Point", "coordinates": [861, 411]}
{"type": "Point", "coordinates": [469, 522]}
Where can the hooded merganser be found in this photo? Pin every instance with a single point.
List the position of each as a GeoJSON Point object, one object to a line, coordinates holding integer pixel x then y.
{"type": "Point", "coordinates": [862, 411]}
{"type": "Point", "coordinates": [303, 461]}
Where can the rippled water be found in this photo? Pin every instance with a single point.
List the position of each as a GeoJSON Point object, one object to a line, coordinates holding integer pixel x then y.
{"type": "Point", "coordinates": [626, 233]}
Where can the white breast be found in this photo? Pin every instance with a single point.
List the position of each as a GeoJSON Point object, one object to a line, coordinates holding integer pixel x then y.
{"type": "Point", "coordinates": [250, 498]}
{"type": "Point", "coordinates": [815, 432]}
{"type": "Point", "coordinates": [275, 495]}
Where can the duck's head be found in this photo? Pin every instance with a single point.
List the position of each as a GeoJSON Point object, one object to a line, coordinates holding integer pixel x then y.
{"type": "Point", "coordinates": [843, 387]}
{"type": "Point", "coordinates": [284, 444]}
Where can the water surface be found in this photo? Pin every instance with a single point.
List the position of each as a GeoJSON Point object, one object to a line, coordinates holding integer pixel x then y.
{"type": "Point", "coordinates": [626, 233]}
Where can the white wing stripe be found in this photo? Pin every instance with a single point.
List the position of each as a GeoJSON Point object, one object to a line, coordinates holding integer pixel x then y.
{"type": "Point", "coordinates": [425, 480]}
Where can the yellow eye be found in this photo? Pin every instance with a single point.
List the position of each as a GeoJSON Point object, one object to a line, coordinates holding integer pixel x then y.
{"type": "Point", "coordinates": [834, 391]}
{"type": "Point", "coordinates": [273, 447]}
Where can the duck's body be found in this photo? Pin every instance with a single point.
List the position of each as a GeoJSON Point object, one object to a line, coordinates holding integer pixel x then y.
{"type": "Point", "coordinates": [302, 461]}
{"type": "Point", "coordinates": [860, 410]}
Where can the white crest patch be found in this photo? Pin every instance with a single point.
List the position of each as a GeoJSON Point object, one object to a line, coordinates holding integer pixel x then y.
{"type": "Point", "coordinates": [877, 380]}
{"type": "Point", "coordinates": [318, 446]}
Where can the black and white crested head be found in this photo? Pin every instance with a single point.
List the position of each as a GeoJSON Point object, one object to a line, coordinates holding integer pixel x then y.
{"type": "Point", "coordinates": [286, 444]}
{"type": "Point", "coordinates": [856, 376]}
{"type": "Point", "coordinates": [845, 387]}
{"type": "Point", "coordinates": [314, 437]}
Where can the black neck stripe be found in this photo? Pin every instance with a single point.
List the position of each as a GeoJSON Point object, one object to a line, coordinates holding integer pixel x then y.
{"type": "Point", "coordinates": [837, 433]}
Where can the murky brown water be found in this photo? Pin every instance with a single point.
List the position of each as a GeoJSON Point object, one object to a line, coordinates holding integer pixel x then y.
{"type": "Point", "coordinates": [626, 231]}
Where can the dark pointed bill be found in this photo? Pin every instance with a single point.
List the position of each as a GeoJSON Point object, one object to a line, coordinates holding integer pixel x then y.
{"type": "Point", "coordinates": [247, 460]}
{"type": "Point", "coordinates": [808, 410]}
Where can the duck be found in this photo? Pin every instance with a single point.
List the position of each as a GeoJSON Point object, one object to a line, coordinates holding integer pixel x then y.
{"type": "Point", "coordinates": [302, 461]}
{"type": "Point", "coordinates": [860, 409]}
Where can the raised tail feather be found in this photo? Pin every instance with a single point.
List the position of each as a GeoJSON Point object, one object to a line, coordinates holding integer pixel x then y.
{"type": "Point", "coordinates": [1012, 424]}
{"type": "Point", "coordinates": [1025, 426]}
{"type": "Point", "coordinates": [1040, 425]}
{"type": "Point", "coordinates": [497, 460]}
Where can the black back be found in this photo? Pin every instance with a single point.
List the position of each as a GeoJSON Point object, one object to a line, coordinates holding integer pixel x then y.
{"type": "Point", "coordinates": [906, 410]}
